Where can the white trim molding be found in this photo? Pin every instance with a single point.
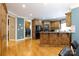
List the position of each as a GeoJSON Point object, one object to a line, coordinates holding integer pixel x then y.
{"type": "Point", "coordinates": [15, 15]}
{"type": "Point", "coordinates": [7, 31]}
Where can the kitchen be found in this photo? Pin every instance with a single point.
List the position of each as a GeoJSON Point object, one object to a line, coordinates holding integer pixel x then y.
{"type": "Point", "coordinates": [53, 32]}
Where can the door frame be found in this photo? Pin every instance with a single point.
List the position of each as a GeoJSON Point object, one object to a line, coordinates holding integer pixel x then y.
{"type": "Point", "coordinates": [13, 15]}
{"type": "Point", "coordinates": [7, 30]}
{"type": "Point", "coordinates": [16, 28]}
{"type": "Point", "coordinates": [30, 28]}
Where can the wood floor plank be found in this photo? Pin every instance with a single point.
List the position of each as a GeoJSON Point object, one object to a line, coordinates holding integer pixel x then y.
{"type": "Point", "coordinates": [30, 48]}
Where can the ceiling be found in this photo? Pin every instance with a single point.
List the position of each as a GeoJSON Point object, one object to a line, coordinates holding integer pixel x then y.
{"type": "Point", "coordinates": [39, 10]}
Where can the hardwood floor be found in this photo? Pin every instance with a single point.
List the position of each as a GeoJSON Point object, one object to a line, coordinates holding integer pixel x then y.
{"type": "Point", "coordinates": [29, 48]}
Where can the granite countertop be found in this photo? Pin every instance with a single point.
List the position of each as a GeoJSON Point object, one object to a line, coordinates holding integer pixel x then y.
{"type": "Point", "coordinates": [55, 32]}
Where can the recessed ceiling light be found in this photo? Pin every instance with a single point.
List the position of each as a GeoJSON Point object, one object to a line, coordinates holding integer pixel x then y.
{"type": "Point", "coordinates": [45, 3]}
{"type": "Point", "coordinates": [30, 14]}
{"type": "Point", "coordinates": [23, 5]}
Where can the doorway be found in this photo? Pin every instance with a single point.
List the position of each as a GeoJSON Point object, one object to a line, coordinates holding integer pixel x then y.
{"type": "Point", "coordinates": [27, 29]}
{"type": "Point", "coordinates": [11, 28]}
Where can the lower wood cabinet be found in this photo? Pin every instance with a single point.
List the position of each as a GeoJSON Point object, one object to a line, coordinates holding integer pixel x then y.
{"type": "Point", "coordinates": [55, 39]}
{"type": "Point", "coordinates": [44, 37]}
{"type": "Point", "coordinates": [66, 38]}
{"type": "Point", "coordinates": [51, 39]}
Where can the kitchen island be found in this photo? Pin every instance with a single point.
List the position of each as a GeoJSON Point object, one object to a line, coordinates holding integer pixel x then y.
{"type": "Point", "coordinates": [55, 38]}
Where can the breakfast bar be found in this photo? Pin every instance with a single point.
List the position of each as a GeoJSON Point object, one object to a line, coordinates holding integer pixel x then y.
{"type": "Point", "coordinates": [55, 38]}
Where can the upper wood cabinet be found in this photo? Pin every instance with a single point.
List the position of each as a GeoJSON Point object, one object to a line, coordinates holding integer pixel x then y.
{"type": "Point", "coordinates": [36, 22]}
{"type": "Point", "coordinates": [52, 24]}
{"type": "Point", "coordinates": [68, 19]}
{"type": "Point", "coordinates": [55, 24]}
{"type": "Point", "coordinates": [46, 23]}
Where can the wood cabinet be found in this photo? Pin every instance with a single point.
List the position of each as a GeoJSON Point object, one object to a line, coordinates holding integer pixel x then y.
{"type": "Point", "coordinates": [55, 39]}
{"type": "Point", "coordinates": [59, 39]}
{"type": "Point", "coordinates": [3, 25]}
{"type": "Point", "coordinates": [33, 28]}
{"type": "Point", "coordinates": [45, 40]}
{"type": "Point", "coordinates": [52, 39]}
{"type": "Point", "coordinates": [55, 24]}
{"type": "Point", "coordinates": [68, 19]}
{"type": "Point", "coordinates": [46, 23]}
{"type": "Point", "coordinates": [66, 38]}
{"type": "Point", "coordinates": [34, 23]}
{"type": "Point", "coordinates": [51, 25]}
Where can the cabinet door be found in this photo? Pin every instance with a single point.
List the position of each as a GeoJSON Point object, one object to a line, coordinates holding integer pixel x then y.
{"type": "Point", "coordinates": [66, 39]}
{"type": "Point", "coordinates": [57, 24]}
{"type": "Point", "coordinates": [52, 24]}
{"type": "Point", "coordinates": [44, 38]}
{"type": "Point", "coordinates": [68, 19]}
{"type": "Point", "coordinates": [52, 39]}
